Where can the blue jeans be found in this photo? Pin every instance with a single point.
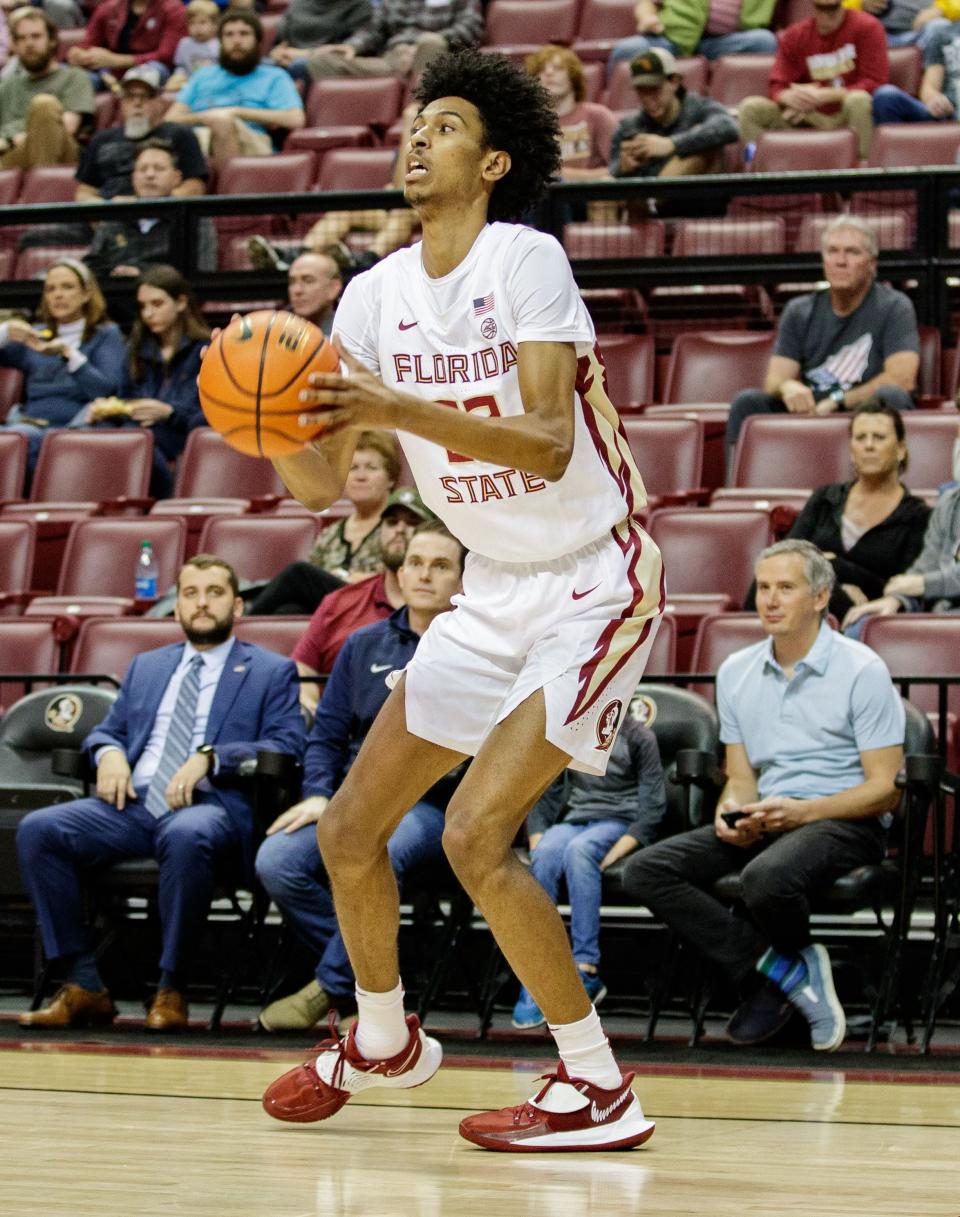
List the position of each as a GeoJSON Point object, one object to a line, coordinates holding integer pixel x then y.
{"type": "Point", "coordinates": [918, 37]}
{"type": "Point", "coordinates": [893, 105]}
{"type": "Point", "coordinates": [711, 46]}
{"type": "Point", "coordinates": [290, 868]}
{"type": "Point", "coordinates": [574, 852]}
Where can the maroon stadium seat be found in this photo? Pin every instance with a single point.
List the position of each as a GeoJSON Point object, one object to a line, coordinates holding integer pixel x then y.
{"type": "Point", "coordinates": [908, 145]}
{"type": "Point", "coordinates": [719, 636]}
{"type": "Point", "coordinates": [663, 653]}
{"type": "Point", "coordinates": [284, 173]}
{"type": "Point", "coordinates": [356, 169]}
{"type": "Point", "coordinates": [714, 238]}
{"type": "Point", "coordinates": [374, 102]}
{"type": "Point", "coordinates": [892, 229]}
{"type": "Point", "coordinates": [106, 646]}
{"type": "Point", "coordinates": [930, 436]}
{"type": "Point", "coordinates": [735, 77]}
{"type": "Point", "coordinates": [101, 555]}
{"type": "Point", "coordinates": [630, 362]}
{"type": "Point", "coordinates": [710, 551]}
{"type": "Point", "coordinates": [259, 547]}
{"type": "Point", "coordinates": [786, 151]}
{"type": "Point", "coordinates": [18, 540]}
{"type": "Point", "coordinates": [210, 468]}
{"type": "Point", "coordinates": [280, 634]}
{"type": "Point", "coordinates": [603, 23]}
{"type": "Point", "coordinates": [25, 646]}
{"type": "Point", "coordinates": [48, 184]}
{"type": "Point", "coordinates": [669, 455]}
{"type": "Point", "coordinates": [905, 68]}
{"type": "Point", "coordinates": [93, 467]}
{"type": "Point", "coordinates": [586, 240]}
{"type": "Point", "coordinates": [521, 25]}
{"type": "Point", "coordinates": [716, 366]}
{"type": "Point", "coordinates": [13, 464]}
{"type": "Point", "coordinates": [777, 450]}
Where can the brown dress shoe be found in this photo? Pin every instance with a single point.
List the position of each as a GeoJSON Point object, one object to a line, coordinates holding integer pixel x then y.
{"type": "Point", "coordinates": [72, 1006]}
{"type": "Point", "coordinates": [168, 1011]}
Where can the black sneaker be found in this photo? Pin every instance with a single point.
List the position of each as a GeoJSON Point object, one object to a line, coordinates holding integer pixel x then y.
{"type": "Point", "coordinates": [264, 256]}
{"type": "Point", "coordinates": [760, 1017]}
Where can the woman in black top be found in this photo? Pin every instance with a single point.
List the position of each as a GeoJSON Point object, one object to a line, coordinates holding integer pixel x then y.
{"type": "Point", "coordinates": [870, 528]}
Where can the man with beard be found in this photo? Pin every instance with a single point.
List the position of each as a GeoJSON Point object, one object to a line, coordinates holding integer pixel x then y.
{"type": "Point", "coordinates": [167, 757]}
{"type": "Point", "coordinates": [238, 99]}
{"type": "Point", "coordinates": [43, 106]}
{"type": "Point", "coordinates": [106, 167]}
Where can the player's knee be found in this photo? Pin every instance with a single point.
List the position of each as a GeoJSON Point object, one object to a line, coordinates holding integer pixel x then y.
{"type": "Point", "coordinates": [472, 849]}
{"type": "Point", "coordinates": [342, 842]}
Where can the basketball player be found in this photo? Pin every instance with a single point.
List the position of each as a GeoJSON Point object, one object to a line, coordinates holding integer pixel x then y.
{"type": "Point", "coordinates": [476, 347]}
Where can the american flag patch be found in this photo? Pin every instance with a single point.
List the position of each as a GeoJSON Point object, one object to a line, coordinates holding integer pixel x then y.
{"type": "Point", "coordinates": [484, 304]}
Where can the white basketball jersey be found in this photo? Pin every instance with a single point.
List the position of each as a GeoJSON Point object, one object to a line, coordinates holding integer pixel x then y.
{"type": "Point", "coordinates": [454, 341]}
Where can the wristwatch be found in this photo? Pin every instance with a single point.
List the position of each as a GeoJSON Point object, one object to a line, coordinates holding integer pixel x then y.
{"type": "Point", "coordinates": [207, 751]}
{"type": "Point", "coordinates": [838, 395]}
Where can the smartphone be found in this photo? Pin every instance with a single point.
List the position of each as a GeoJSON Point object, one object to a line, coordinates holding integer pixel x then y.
{"type": "Point", "coordinates": [732, 818]}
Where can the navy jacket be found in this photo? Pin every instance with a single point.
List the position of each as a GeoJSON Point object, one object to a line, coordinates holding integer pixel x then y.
{"type": "Point", "coordinates": [351, 701]}
{"type": "Point", "coordinates": [53, 393]}
{"type": "Point", "coordinates": [255, 707]}
{"type": "Point", "coordinates": [176, 384]}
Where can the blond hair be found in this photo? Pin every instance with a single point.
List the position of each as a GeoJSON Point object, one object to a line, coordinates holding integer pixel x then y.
{"type": "Point", "coordinates": [202, 8]}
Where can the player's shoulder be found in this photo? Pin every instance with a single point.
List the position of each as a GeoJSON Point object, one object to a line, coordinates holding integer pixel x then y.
{"type": "Point", "coordinates": [520, 239]}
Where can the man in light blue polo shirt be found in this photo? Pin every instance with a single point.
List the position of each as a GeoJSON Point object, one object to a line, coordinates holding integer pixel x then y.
{"type": "Point", "coordinates": [813, 730]}
{"type": "Point", "coordinates": [240, 97]}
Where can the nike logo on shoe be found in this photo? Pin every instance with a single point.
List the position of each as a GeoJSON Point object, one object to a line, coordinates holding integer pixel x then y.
{"type": "Point", "coordinates": [580, 595]}
{"type": "Point", "coordinates": [407, 325]}
{"type": "Point", "coordinates": [380, 667]}
{"type": "Point", "coordinates": [407, 1061]}
{"type": "Point", "coordinates": [599, 1114]}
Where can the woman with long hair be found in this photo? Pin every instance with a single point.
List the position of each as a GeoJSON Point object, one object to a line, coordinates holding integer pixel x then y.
{"type": "Point", "coordinates": [158, 388]}
{"type": "Point", "coordinates": [72, 355]}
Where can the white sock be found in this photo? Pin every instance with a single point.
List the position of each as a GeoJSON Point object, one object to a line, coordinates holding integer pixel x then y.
{"type": "Point", "coordinates": [585, 1051]}
{"type": "Point", "coordinates": [381, 1026]}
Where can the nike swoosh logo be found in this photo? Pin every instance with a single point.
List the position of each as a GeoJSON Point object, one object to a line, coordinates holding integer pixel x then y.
{"type": "Point", "coordinates": [407, 325]}
{"type": "Point", "coordinates": [599, 1114]}
{"type": "Point", "coordinates": [380, 667]}
{"type": "Point", "coordinates": [580, 595]}
{"type": "Point", "coordinates": [406, 1063]}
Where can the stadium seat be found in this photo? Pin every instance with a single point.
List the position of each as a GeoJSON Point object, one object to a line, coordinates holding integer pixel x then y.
{"type": "Point", "coordinates": [622, 96]}
{"type": "Point", "coordinates": [210, 468]}
{"type": "Point", "coordinates": [594, 81]}
{"type": "Point", "coordinates": [106, 111]}
{"type": "Point", "coordinates": [520, 25]}
{"type": "Point", "coordinates": [586, 240]}
{"type": "Point", "coordinates": [284, 173]}
{"type": "Point", "coordinates": [930, 375]}
{"type": "Point", "coordinates": [36, 260]}
{"type": "Point", "coordinates": [735, 77]}
{"type": "Point", "coordinates": [48, 184]}
{"type": "Point", "coordinates": [730, 238]}
{"type": "Point", "coordinates": [280, 634]}
{"type": "Point", "coordinates": [719, 636]}
{"type": "Point", "coordinates": [94, 468]}
{"type": "Point", "coordinates": [669, 455]}
{"type": "Point", "coordinates": [717, 364]}
{"type": "Point", "coordinates": [905, 68]}
{"type": "Point", "coordinates": [13, 464]}
{"type": "Point", "coordinates": [891, 227]}
{"type": "Point", "coordinates": [68, 38]}
{"type": "Point", "coordinates": [730, 498]}
{"type": "Point", "coordinates": [10, 180]}
{"type": "Point", "coordinates": [909, 145]}
{"type": "Point", "coordinates": [930, 437]}
{"type": "Point", "coordinates": [356, 169]}
{"type": "Point", "coordinates": [601, 24]}
{"type": "Point", "coordinates": [101, 555]}
{"type": "Point", "coordinates": [25, 647]}
{"type": "Point", "coordinates": [270, 22]}
{"type": "Point", "coordinates": [630, 362]}
{"type": "Point", "coordinates": [777, 450]}
{"type": "Point", "coordinates": [662, 660]}
{"type": "Point", "coordinates": [106, 646]}
{"type": "Point", "coordinates": [686, 610]}
{"type": "Point", "coordinates": [950, 373]}
{"type": "Point", "coordinates": [374, 102]}
{"type": "Point", "coordinates": [710, 551]}
{"type": "Point", "coordinates": [259, 547]}
{"type": "Point", "coordinates": [18, 540]}
{"type": "Point", "coordinates": [787, 151]}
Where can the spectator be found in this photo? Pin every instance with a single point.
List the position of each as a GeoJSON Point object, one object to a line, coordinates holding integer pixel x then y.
{"type": "Point", "coordinates": [74, 355]}
{"type": "Point", "coordinates": [674, 133]}
{"type": "Point", "coordinates": [126, 247]}
{"type": "Point", "coordinates": [931, 583]}
{"type": "Point", "coordinates": [903, 21]}
{"type": "Point", "coordinates": [826, 69]}
{"type": "Point", "coordinates": [581, 826]}
{"type": "Point", "coordinates": [237, 99]}
{"type": "Point", "coordinates": [4, 38]}
{"type": "Point", "coordinates": [840, 346]}
{"type": "Point", "coordinates": [308, 24]}
{"type": "Point", "coordinates": [699, 27]}
{"type": "Point", "coordinates": [185, 719]}
{"type": "Point", "coordinates": [870, 528]}
{"type": "Point", "coordinates": [288, 861]}
{"type": "Point", "coordinates": [314, 284]}
{"type": "Point", "coordinates": [44, 106]}
{"type": "Point", "coordinates": [358, 604]}
{"type": "Point", "coordinates": [401, 39]}
{"type": "Point", "coordinates": [106, 168]}
{"type": "Point", "coordinates": [813, 730]}
{"type": "Point", "coordinates": [939, 86]}
{"type": "Point", "coordinates": [159, 384]}
{"type": "Point", "coordinates": [123, 34]}
{"type": "Point", "coordinates": [65, 14]}
{"type": "Point", "coordinates": [200, 47]}
{"type": "Point", "coordinates": [586, 128]}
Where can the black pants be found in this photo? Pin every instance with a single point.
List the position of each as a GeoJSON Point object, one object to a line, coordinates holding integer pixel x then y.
{"type": "Point", "coordinates": [777, 877]}
{"type": "Point", "coordinates": [297, 591]}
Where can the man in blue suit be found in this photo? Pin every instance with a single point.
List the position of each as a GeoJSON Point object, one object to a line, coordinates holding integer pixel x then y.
{"type": "Point", "coordinates": [166, 758]}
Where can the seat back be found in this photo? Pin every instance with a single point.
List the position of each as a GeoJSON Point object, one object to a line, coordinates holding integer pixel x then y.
{"type": "Point", "coordinates": [909, 145]}
{"type": "Point", "coordinates": [518, 22]}
{"type": "Point", "coordinates": [13, 464]}
{"type": "Point", "coordinates": [288, 173]}
{"type": "Point", "coordinates": [93, 466]}
{"type": "Point", "coordinates": [606, 20]}
{"type": "Point", "coordinates": [10, 180]}
{"type": "Point", "coordinates": [715, 238]}
{"type": "Point", "coordinates": [587, 240]}
{"type": "Point", "coordinates": [25, 646]}
{"type": "Point", "coordinates": [735, 77]}
{"type": "Point", "coordinates": [375, 101]}
{"type": "Point", "coordinates": [280, 634]}
{"type": "Point", "coordinates": [710, 551]}
{"type": "Point", "coordinates": [777, 450]}
{"type": "Point", "coordinates": [717, 364]}
{"type": "Point", "coordinates": [356, 169]}
{"type": "Point", "coordinates": [919, 644]}
{"type": "Point", "coordinates": [630, 363]}
{"type": "Point", "coordinates": [785, 151]}
{"type": "Point", "coordinates": [11, 389]}
{"type": "Point", "coordinates": [662, 660]}
{"type": "Point", "coordinates": [668, 452]}
{"type": "Point", "coordinates": [718, 636]}
{"type": "Point", "coordinates": [48, 184]}
{"type": "Point", "coordinates": [931, 360]}
{"type": "Point", "coordinates": [106, 646]}
{"type": "Point", "coordinates": [930, 436]}
{"type": "Point", "coordinates": [210, 468]}
{"type": "Point", "coordinates": [905, 68]}
{"type": "Point", "coordinates": [18, 540]}
{"type": "Point", "coordinates": [259, 547]}
{"type": "Point", "coordinates": [892, 229]}
{"type": "Point", "coordinates": [101, 554]}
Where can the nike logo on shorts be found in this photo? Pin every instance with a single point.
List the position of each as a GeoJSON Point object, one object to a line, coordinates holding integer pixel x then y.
{"type": "Point", "coordinates": [407, 325]}
{"type": "Point", "coordinates": [580, 595]}
{"type": "Point", "coordinates": [380, 667]}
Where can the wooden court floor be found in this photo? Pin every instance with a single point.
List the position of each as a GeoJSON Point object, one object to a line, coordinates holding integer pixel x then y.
{"type": "Point", "coordinates": [162, 1131]}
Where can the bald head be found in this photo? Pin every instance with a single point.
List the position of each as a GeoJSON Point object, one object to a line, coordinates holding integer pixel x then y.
{"type": "Point", "coordinates": [313, 284]}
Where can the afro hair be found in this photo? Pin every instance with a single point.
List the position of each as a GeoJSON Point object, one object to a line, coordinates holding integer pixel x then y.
{"type": "Point", "coordinates": [517, 117]}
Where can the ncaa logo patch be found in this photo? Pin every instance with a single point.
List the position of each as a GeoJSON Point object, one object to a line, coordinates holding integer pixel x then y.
{"type": "Point", "coordinates": [63, 712]}
{"type": "Point", "coordinates": [643, 709]}
{"type": "Point", "coordinates": [607, 721]}
{"type": "Point", "coordinates": [488, 328]}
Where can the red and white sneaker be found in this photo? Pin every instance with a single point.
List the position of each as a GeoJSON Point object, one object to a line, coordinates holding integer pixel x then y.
{"type": "Point", "coordinates": [318, 1088]}
{"type": "Point", "coordinates": [567, 1114]}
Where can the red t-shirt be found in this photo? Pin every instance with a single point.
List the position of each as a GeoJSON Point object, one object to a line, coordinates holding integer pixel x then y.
{"type": "Point", "coordinates": [337, 616]}
{"type": "Point", "coordinates": [854, 56]}
{"type": "Point", "coordinates": [585, 135]}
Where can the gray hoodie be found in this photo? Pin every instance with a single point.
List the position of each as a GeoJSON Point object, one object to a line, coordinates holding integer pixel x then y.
{"type": "Point", "coordinates": [310, 23]}
{"type": "Point", "coordinates": [939, 560]}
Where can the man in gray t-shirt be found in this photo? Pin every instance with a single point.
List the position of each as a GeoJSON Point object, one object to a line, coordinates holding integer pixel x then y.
{"type": "Point", "coordinates": [939, 95]}
{"type": "Point", "coordinates": [836, 348]}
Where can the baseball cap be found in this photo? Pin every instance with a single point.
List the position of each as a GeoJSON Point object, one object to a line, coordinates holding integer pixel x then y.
{"type": "Point", "coordinates": [651, 67]}
{"type": "Point", "coordinates": [145, 75]}
{"type": "Point", "coordinates": [406, 496]}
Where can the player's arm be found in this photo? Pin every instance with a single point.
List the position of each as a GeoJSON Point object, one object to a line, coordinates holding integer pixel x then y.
{"type": "Point", "coordinates": [316, 475]}
{"type": "Point", "coordinates": [539, 441]}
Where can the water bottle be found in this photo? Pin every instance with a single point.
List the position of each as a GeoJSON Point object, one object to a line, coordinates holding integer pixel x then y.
{"type": "Point", "coordinates": [749, 152]}
{"type": "Point", "coordinates": [146, 574]}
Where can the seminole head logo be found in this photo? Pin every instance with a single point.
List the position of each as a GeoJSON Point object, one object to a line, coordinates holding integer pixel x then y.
{"type": "Point", "coordinates": [607, 721]}
{"type": "Point", "coordinates": [63, 712]}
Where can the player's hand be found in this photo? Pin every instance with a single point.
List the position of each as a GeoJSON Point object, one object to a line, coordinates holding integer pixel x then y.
{"type": "Point", "coordinates": [179, 791]}
{"type": "Point", "coordinates": [307, 811]}
{"type": "Point", "coordinates": [114, 781]}
{"type": "Point", "coordinates": [358, 400]}
{"type": "Point", "coordinates": [779, 813]}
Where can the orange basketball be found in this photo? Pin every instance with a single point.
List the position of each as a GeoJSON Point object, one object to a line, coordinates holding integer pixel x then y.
{"type": "Point", "coordinates": [250, 381]}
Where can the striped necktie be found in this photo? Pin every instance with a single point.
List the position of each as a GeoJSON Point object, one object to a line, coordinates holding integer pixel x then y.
{"type": "Point", "coordinates": [176, 747]}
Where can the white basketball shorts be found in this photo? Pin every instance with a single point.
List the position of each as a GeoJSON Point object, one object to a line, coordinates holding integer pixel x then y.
{"type": "Point", "coordinates": [579, 627]}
